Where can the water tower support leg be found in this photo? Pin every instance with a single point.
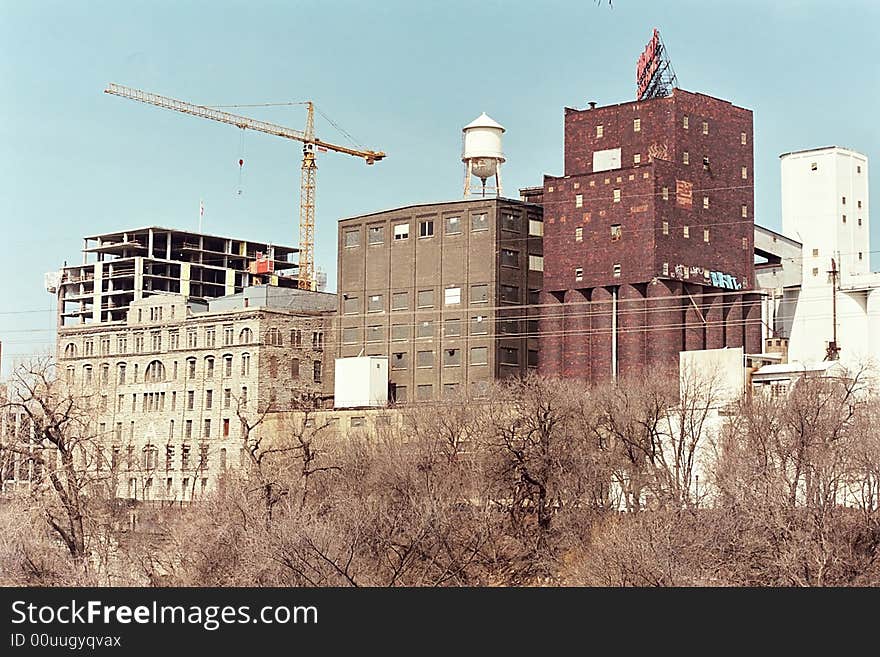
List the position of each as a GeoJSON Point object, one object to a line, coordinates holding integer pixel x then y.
{"type": "Point", "coordinates": [498, 180]}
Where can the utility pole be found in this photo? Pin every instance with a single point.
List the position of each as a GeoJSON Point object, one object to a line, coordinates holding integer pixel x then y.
{"type": "Point", "coordinates": [833, 352]}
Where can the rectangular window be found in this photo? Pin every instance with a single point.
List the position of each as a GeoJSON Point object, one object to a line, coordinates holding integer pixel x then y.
{"type": "Point", "coordinates": [616, 232]}
{"type": "Point", "coordinates": [452, 327]}
{"type": "Point", "coordinates": [843, 200]}
{"type": "Point", "coordinates": [860, 255]}
{"type": "Point", "coordinates": [742, 138]}
{"type": "Point", "coordinates": [510, 293]}
{"type": "Point", "coordinates": [400, 360]}
{"type": "Point", "coordinates": [350, 305]}
{"type": "Point", "coordinates": [207, 432]}
{"type": "Point", "coordinates": [578, 273]}
{"type": "Point", "coordinates": [744, 210]}
{"type": "Point", "coordinates": [686, 231]}
{"type": "Point", "coordinates": [400, 332]}
{"type": "Point", "coordinates": [600, 130]}
{"type": "Point", "coordinates": [617, 196]}
{"type": "Point", "coordinates": [227, 397]}
{"type": "Point", "coordinates": [479, 355]}
{"type": "Point", "coordinates": [533, 358]}
{"type": "Point", "coordinates": [376, 234]}
{"type": "Point", "coordinates": [509, 355]}
{"type": "Point", "coordinates": [666, 269]}
{"type": "Point", "coordinates": [509, 327]}
{"type": "Point", "coordinates": [744, 173]}
{"type": "Point", "coordinates": [452, 296]}
{"type": "Point", "coordinates": [509, 258]}
{"type": "Point", "coordinates": [426, 228]}
{"type": "Point", "coordinates": [375, 303]}
{"type": "Point", "coordinates": [425, 328]}
{"type": "Point", "coordinates": [579, 234]}
{"type": "Point", "coordinates": [479, 325]}
{"type": "Point", "coordinates": [616, 270]}
{"type": "Point", "coordinates": [665, 227]}
{"type": "Point", "coordinates": [349, 335]}
{"type": "Point", "coordinates": [375, 333]}
{"type": "Point", "coordinates": [637, 125]}
{"type": "Point", "coordinates": [705, 202]}
{"type": "Point", "coordinates": [637, 158]}
{"type": "Point", "coordinates": [684, 122]}
{"type": "Point", "coordinates": [399, 393]}
{"type": "Point", "coordinates": [844, 218]}
{"type": "Point", "coordinates": [480, 221]}
{"type": "Point", "coordinates": [451, 357]}
{"type": "Point", "coordinates": [400, 301]}
{"type": "Point", "coordinates": [536, 228]}
{"type": "Point", "coordinates": [425, 359]}
{"type": "Point", "coordinates": [536, 262]}
{"type": "Point", "coordinates": [705, 234]}
{"type": "Point", "coordinates": [815, 252]}
{"type": "Point", "coordinates": [858, 204]}
{"type": "Point", "coordinates": [685, 158]}
{"type": "Point", "coordinates": [665, 193]}
{"type": "Point", "coordinates": [352, 238]}
{"type": "Point", "coordinates": [316, 371]}
{"type": "Point", "coordinates": [452, 225]}
{"type": "Point", "coordinates": [401, 231]}
{"type": "Point", "coordinates": [426, 298]}
{"type": "Point", "coordinates": [209, 399]}
{"type": "Point", "coordinates": [578, 200]}
{"type": "Point", "coordinates": [814, 166]}
{"type": "Point", "coordinates": [510, 222]}
{"type": "Point", "coordinates": [815, 271]}
{"type": "Point", "coordinates": [424, 391]}
{"type": "Point", "coordinates": [190, 400]}
{"type": "Point", "coordinates": [705, 127]}
{"type": "Point", "coordinates": [480, 293]}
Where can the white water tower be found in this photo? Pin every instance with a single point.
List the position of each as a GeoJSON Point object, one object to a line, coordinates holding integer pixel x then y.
{"type": "Point", "coordinates": [481, 153]}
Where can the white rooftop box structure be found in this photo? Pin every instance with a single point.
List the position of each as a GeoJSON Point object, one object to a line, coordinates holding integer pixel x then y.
{"type": "Point", "coordinates": [361, 381]}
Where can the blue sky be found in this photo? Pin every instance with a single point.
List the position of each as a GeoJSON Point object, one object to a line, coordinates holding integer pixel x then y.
{"type": "Point", "coordinates": [402, 77]}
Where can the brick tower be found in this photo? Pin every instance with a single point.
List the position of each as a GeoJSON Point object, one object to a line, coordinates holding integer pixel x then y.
{"type": "Point", "coordinates": [648, 237]}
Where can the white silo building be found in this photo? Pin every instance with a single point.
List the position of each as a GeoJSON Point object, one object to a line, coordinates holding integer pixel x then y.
{"type": "Point", "coordinates": [825, 208]}
{"type": "Point", "coordinates": [482, 155]}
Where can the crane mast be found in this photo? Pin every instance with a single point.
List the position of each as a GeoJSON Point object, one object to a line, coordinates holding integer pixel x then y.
{"type": "Point", "coordinates": [306, 274]}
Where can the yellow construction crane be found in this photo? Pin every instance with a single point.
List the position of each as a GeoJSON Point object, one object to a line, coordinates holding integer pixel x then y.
{"type": "Point", "coordinates": [309, 166]}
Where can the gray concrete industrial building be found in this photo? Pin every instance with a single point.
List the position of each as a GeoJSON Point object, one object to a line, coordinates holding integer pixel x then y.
{"type": "Point", "coordinates": [444, 290]}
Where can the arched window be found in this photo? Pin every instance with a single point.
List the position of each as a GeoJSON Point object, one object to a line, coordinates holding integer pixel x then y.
{"type": "Point", "coordinates": [246, 336]}
{"type": "Point", "coordinates": [209, 367]}
{"type": "Point", "coordinates": [120, 367]}
{"type": "Point", "coordinates": [296, 338]}
{"type": "Point", "coordinates": [70, 350]}
{"type": "Point", "coordinates": [155, 372]}
{"type": "Point", "coordinates": [273, 337]}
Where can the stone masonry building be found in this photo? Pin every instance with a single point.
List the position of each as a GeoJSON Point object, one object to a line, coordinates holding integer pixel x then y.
{"type": "Point", "coordinates": [167, 382]}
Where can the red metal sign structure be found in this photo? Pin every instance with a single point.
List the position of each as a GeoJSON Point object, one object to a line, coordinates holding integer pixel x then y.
{"type": "Point", "coordinates": [654, 75]}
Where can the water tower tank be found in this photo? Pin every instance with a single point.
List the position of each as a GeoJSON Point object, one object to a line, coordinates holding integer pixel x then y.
{"type": "Point", "coordinates": [481, 151]}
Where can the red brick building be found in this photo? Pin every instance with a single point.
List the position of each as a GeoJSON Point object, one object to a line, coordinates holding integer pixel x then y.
{"type": "Point", "coordinates": [648, 237]}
